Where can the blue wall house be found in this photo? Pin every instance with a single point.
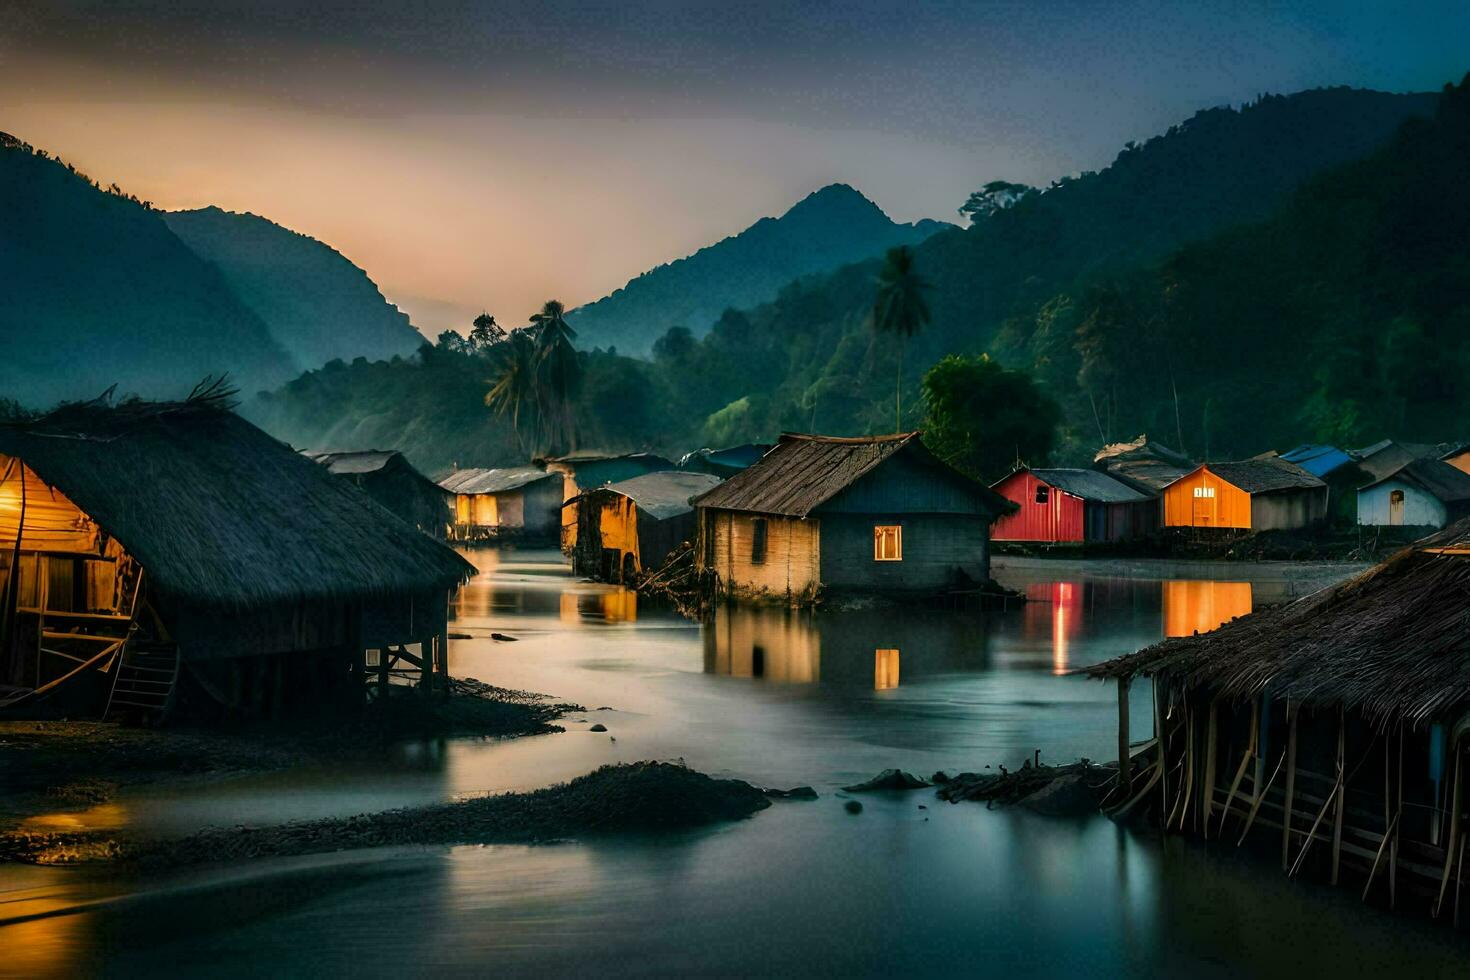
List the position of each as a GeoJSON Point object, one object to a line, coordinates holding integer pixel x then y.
{"type": "Point", "coordinates": [1425, 493]}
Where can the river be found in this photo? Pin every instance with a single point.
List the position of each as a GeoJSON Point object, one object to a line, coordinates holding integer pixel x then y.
{"type": "Point", "coordinates": [780, 698]}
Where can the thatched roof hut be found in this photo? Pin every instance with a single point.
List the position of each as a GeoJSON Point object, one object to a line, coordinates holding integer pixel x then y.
{"type": "Point", "coordinates": [246, 547]}
{"type": "Point", "coordinates": [389, 478]}
{"type": "Point", "coordinates": [1392, 643]}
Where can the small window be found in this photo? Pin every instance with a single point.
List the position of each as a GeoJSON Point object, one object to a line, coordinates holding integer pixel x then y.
{"type": "Point", "coordinates": [1041, 489]}
{"type": "Point", "coordinates": [1204, 491]}
{"type": "Point", "coordinates": [888, 542]}
{"type": "Point", "coordinates": [758, 541]}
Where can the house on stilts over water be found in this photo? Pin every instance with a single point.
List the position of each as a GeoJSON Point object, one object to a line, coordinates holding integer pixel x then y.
{"type": "Point", "coordinates": [389, 478]}
{"type": "Point", "coordinates": [822, 514]}
{"type": "Point", "coordinates": [512, 503]}
{"type": "Point", "coordinates": [627, 527]}
{"type": "Point", "coordinates": [153, 553]}
{"type": "Point", "coordinates": [1334, 729]}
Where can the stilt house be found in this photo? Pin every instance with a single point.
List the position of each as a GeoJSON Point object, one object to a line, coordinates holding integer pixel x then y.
{"type": "Point", "coordinates": [390, 479]}
{"type": "Point", "coordinates": [587, 469]}
{"type": "Point", "coordinates": [1072, 506]}
{"type": "Point", "coordinates": [1335, 727]}
{"type": "Point", "coordinates": [627, 527]}
{"type": "Point", "coordinates": [868, 514]}
{"type": "Point", "coordinates": [1249, 495]}
{"type": "Point", "coordinates": [517, 503]}
{"type": "Point", "coordinates": [151, 548]}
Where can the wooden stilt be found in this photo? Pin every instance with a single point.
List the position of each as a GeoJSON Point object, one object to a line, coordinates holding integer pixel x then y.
{"type": "Point", "coordinates": [1388, 834]}
{"type": "Point", "coordinates": [1209, 782]}
{"type": "Point", "coordinates": [1125, 763]}
{"type": "Point", "coordinates": [1449, 853]}
{"type": "Point", "coordinates": [442, 642]}
{"type": "Point", "coordinates": [1288, 811]}
{"type": "Point", "coordinates": [1256, 805]}
{"type": "Point", "coordinates": [1250, 752]}
{"type": "Point", "coordinates": [426, 665]}
{"type": "Point", "coordinates": [1341, 789]}
{"type": "Point", "coordinates": [1393, 847]}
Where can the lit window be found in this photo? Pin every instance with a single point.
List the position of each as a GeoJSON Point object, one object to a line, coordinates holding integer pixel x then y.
{"type": "Point", "coordinates": [1041, 489]}
{"type": "Point", "coordinates": [888, 542]}
{"type": "Point", "coordinates": [1204, 491]}
{"type": "Point", "coordinates": [758, 541]}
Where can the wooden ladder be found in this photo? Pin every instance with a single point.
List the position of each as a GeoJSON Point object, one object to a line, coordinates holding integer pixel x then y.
{"type": "Point", "coordinates": [144, 680]}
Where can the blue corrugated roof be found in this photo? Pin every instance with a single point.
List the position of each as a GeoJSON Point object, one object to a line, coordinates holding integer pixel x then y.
{"type": "Point", "coordinates": [1317, 460]}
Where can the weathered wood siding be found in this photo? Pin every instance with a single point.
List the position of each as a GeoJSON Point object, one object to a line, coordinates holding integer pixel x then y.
{"type": "Point", "coordinates": [792, 560]}
{"type": "Point", "coordinates": [1420, 509]}
{"type": "Point", "coordinates": [1288, 509]}
{"type": "Point", "coordinates": [1229, 507]}
{"type": "Point", "coordinates": [936, 548]}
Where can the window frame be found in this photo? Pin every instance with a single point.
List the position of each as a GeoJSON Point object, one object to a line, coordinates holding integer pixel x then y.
{"type": "Point", "coordinates": [881, 534]}
{"type": "Point", "coordinates": [1043, 494]}
{"type": "Point", "coordinates": [760, 535]}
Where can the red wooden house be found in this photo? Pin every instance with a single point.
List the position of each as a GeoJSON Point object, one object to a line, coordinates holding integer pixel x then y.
{"type": "Point", "coordinates": [1071, 506]}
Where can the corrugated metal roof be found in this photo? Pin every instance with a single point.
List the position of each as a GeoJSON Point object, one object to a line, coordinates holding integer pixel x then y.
{"type": "Point", "coordinates": [664, 494]}
{"type": "Point", "coordinates": [1318, 460]}
{"type": "Point", "coordinates": [1090, 485]}
{"type": "Point", "coordinates": [367, 461]}
{"type": "Point", "coordinates": [1437, 478]}
{"type": "Point", "coordinates": [1264, 475]}
{"type": "Point", "coordinates": [803, 472]}
{"type": "Point", "coordinates": [494, 480]}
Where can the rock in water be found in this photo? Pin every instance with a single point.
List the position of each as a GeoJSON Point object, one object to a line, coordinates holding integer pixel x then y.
{"type": "Point", "coordinates": [888, 779]}
{"type": "Point", "coordinates": [799, 793]}
{"type": "Point", "coordinates": [599, 727]}
{"type": "Point", "coordinates": [1065, 796]}
{"type": "Point", "coordinates": [853, 806]}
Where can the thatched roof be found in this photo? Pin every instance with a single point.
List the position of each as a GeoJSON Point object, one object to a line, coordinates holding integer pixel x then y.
{"type": "Point", "coordinates": [1392, 643]}
{"type": "Point", "coordinates": [501, 480]}
{"type": "Point", "coordinates": [1264, 475]}
{"type": "Point", "coordinates": [1093, 485]}
{"type": "Point", "coordinates": [1143, 464]}
{"type": "Point", "coordinates": [803, 472]}
{"type": "Point", "coordinates": [219, 513]}
{"type": "Point", "coordinates": [662, 495]}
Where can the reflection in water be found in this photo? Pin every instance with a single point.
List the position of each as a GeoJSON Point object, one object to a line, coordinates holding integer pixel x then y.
{"type": "Point", "coordinates": [885, 670]}
{"type": "Point", "coordinates": [610, 604]}
{"type": "Point", "coordinates": [1193, 606]}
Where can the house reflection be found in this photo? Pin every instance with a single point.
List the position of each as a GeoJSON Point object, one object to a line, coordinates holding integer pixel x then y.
{"type": "Point", "coordinates": [1193, 606]}
{"type": "Point", "coordinates": [614, 605]}
{"type": "Point", "coordinates": [851, 649]}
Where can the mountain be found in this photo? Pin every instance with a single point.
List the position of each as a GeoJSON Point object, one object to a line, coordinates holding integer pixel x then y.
{"type": "Point", "coordinates": [316, 303]}
{"type": "Point", "coordinates": [809, 359]}
{"type": "Point", "coordinates": [826, 229]}
{"type": "Point", "coordinates": [1342, 317]}
{"type": "Point", "coordinates": [95, 289]}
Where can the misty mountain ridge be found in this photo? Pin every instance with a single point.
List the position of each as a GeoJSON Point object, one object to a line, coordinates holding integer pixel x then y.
{"type": "Point", "coordinates": [102, 289]}
{"type": "Point", "coordinates": [316, 303]}
{"type": "Point", "coordinates": [828, 228]}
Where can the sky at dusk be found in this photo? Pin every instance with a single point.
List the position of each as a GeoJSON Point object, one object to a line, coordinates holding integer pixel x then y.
{"type": "Point", "coordinates": [494, 155]}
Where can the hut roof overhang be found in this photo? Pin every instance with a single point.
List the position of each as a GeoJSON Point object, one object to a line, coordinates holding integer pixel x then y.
{"type": "Point", "coordinates": [219, 513]}
{"type": "Point", "coordinates": [1266, 475]}
{"type": "Point", "coordinates": [504, 480]}
{"type": "Point", "coordinates": [1392, 643]}
{"type": "Point", "coordinates": [802, 472]}
{"type": "Point", "coordinates": [661, 495]}
{"type": "Point", "coordinates": [1093, 485]}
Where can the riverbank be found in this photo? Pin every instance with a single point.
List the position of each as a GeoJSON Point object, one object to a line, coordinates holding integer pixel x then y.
{"type": "Point", "coordinates": [51, 765]}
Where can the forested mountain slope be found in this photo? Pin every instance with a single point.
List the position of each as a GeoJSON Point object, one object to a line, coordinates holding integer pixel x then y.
{"type": "Point", "coordinates": [315, 302]}
{"type": "Point", "coordinates": [828, 228]}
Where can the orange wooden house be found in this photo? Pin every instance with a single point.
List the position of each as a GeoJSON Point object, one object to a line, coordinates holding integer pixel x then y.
{"type": "Point", "coordinates": [1249, 495]}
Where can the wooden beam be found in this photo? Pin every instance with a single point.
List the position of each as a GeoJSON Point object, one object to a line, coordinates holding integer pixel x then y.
{"type": "Point", "coordinates": [1256, 805]}
{"type": "Point", "coordinates": [1125, 762]}
{"type": "Point", "coordinates": [1341, 789]}
{"type": "Point", "coordinates": [1388, 834]}
{"type": "Point", "coordinates": [1287, 811]}
{"type": "Point", "coordinates": [1449, 852]}
{"type": "Point", "coordinates": [1250, 751]}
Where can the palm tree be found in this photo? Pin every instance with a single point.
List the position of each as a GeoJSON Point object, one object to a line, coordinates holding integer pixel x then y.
{"type": "Point", "coordinates": [516, 387]}
{"type": "Point", "coordinates": [558, 372]}
{"type": "Point", "coordinates": [900, 308]}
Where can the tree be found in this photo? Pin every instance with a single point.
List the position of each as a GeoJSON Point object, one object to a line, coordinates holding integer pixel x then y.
{"type": "Point", "coordinates": [675, 347]}
{"type": "Point", "coordinates": [900, 309]}
{"type": "Point", "coordinates": [486, 333]}
{"type": "Point", "coordinates": [994, 196]}
{"type": "Point", "coordinates": [983, 418]}
{"type": "Point", "coordinates": [558, 374]}
{"type": "Point", "coordinates": [516, 390]}
{"type": "Point", "coordinates": [453, 342]}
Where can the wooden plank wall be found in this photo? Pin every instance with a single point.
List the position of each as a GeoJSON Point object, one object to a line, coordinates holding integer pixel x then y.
{"type": "Point", "coordinates": [934, 546]}
{"type": "Point", "coordinates": [793, 553]}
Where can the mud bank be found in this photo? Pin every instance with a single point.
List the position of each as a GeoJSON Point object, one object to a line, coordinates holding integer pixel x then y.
{"type": "Point", "coordinates": [47, 764]}
{"type": "Point", "coordinates": [641, 797]}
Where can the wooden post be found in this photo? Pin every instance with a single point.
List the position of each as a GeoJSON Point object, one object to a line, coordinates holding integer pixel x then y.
{"type": "Point", "coordinates": [1288, 808]}
{"type": "Point", "coordinates": [1209, 783]}
{"type": "Point", "coordinates": [442, 641]}
{"type": "Point", "coordinates": [1341, 789]}
{"type": "Point", "coordinates": [1125, 763]}
{"type": "Point", "coordinates": [1449, 851]}
{"type": "Point", "coordinates": [426, 664]}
